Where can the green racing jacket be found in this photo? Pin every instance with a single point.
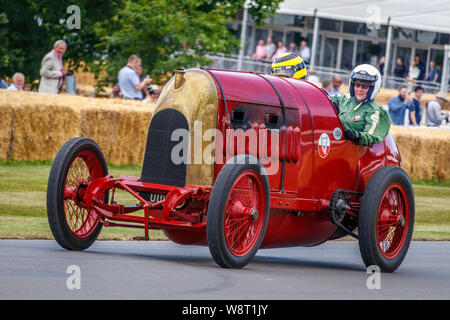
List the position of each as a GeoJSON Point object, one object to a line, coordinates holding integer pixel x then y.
{"type": "Point", "coordinates": [369, 118]}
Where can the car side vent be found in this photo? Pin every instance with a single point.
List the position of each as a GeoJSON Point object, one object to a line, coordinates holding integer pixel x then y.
{"type": "Point", "coordinates": [271, 120]}
{"type": "Point", "coordinates": [237, 115]}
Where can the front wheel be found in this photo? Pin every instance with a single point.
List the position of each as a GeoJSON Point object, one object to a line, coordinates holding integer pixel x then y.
{"type": "Point", "coordinates": [79, 161]}
{"type": "Point", "coordinates": [386, 219]}
{"type": "Point", "coordinates": [238, 214]}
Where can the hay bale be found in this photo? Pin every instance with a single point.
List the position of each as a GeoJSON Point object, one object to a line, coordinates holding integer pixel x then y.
{"type": "Point", "coordinates": [42, 123]}
{"type": "Point", "coordinates": [6, 112]}
{"type": "Point", "coordinates": [40, 130]}
{"type": "Point", "coordinates": [120, 132]}
{"type": "Point", "coordinates": [425, 152]}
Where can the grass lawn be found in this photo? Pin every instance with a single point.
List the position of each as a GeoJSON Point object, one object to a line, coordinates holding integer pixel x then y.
{"type": "Point", "coordinates": [23, 205]}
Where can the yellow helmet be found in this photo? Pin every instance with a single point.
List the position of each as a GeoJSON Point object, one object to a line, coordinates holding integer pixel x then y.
{"type": "Point", "coordinates": [289, 65]}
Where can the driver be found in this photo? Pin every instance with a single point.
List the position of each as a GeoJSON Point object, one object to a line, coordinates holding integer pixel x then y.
{"type": "Point", "coordinates": [365, 122]}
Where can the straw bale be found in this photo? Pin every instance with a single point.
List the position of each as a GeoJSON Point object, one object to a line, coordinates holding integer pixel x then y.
{"type": "Point", "coordinates": [121, 134]}
{"type": "Point", "coordinates": [385, 94]}
{"type": "Point", "coordinates": [119, 127]}
{"type": "Point", "coordinates": [6, 112]}
{"type": "Point", "coordinates": [424, 151]}
{"type": "Point", "coordinates": [42, 123]}
{"type": "Point", "coordinates": [41, 129]}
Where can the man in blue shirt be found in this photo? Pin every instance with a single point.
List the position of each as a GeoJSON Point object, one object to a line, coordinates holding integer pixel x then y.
{"type": "Point", "coordinates": [433, 73]}
{"type": "Point", "coordinates": [337, 82]}
{"type": "Point", "coordinates": [398, 105]}
{"type": "Point", "coordinates": [129, 82]}
{"type": "Point", "coordinates": [415, 114]}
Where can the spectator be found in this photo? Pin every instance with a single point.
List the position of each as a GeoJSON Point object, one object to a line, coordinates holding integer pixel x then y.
{"type": "Point", "coordinates": [18, 82]}
{"type": "Point", "coordinates": [52, 69]}
{"type": "Point", "coordinates": [304, 52]}
{"type": "Point", "coordinates": [380, 65]}
{"type": "Point", "coordinates": [415, 114]}
{"type": "Point", "coordinates": [116, 91]}
{"type": "Point", "coordinates": [3, 84]}
{"type": "Point", "coordinates": [421, 66]}
{"type": "Point", "coordinates": [414, 72]}
{"type": "Point", "coordinates": [270, 49]}
{"type": "Point", "coordinates": [400, 69]}
{"type": "Point", "coordinates": [260, 50]}
{"type": "Point", "coordinates": [280, 49]}
{"type": "Point", "coordinates": [439, 73]}
{"type": "Point", "coordinates": [144, 91]}
{"type": "Point", "coordinates": [433, 73]}
{"type": "Point", "coordinates": [434, 115]}
{"type": "Point", "coordinates": [398, 105]}
{"type": "Point", "coordinates": [130, 84]}
{"type": "Point", "coordinates": [327, 86]}
{"type": "Point", "coordinates": [292, 47]}
{"type": "Point", "coordinates": [312, 77]}
{"type": "Point", "coordinates": [337, 83]}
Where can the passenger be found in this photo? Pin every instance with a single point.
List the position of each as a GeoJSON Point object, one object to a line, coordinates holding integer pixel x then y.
{"type": "Point", "coordinates": [365, 122]}
{"type": "Point", "coordinates": [290, 65]}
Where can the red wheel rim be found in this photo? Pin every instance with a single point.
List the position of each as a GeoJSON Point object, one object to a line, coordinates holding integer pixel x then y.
{"type": "Point", "coordinates": [392, 221]}
{"type": "Point", "coordinates": [244, 213]}
{"type": "Point", "coordinates": [83, 169]}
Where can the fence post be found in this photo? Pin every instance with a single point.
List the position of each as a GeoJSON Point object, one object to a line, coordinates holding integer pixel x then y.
{"type": "Point", "coordinates": [314, 41]}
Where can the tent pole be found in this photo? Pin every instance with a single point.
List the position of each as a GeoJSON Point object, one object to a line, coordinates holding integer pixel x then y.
{"type": "Point", "coordinates": [314, 41]}
{"type": "Point", "coordinates": [445, 69]}
{"type": "Point", "coordinates": [243, 36]}
{"type": "Point", "coordinates": [388, 53]}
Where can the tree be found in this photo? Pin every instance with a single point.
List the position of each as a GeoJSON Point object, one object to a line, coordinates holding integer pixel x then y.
{"type": "Point", "coordinates": [169, 34]}
{"type": "Point", "coordinates": [29, 28]}
{"type": "Point", "coordinates": [21, 39]}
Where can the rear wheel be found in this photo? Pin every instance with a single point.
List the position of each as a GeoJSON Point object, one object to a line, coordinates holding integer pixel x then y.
{"type": "Point", "coordinates": [386, 219]}
{"type": "Point", "coordinates": [78, 162]}
{"type": "Point", "coordinates": [238, 213]}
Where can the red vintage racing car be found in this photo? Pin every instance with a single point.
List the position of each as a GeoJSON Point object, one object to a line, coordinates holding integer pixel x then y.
{"type": "Point", "coordinates": [241, 161]}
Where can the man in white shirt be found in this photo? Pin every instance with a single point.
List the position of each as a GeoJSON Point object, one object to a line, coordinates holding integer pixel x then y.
{"type": "Point", "coordinates": [18, 82]}
{"type": "Point", "coordinates": [305, 53]}
{"type": "Point", "coordinates": [414, 71]}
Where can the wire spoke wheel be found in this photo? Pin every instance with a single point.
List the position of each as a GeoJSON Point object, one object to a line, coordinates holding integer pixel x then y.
{"type": "Point", "coordinates": [386, 219]}
{"type": "Point", "coordinates": [243, 220]}
{"type": "Point", "coordinates": [77, 163]}
{"type": "Point", "coordinates": [84, 168]}
{"type": "Point", "coordinates": [238, 212]}
{"type": "Point", "coordinates": [392, 221]}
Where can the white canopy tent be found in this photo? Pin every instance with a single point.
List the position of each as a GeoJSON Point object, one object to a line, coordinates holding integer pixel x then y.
{"type": "Point", "coordinates": [431, 15]}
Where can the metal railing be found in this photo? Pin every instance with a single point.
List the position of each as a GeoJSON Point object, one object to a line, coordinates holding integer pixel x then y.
{"type": "Point", "coordinates": [249, 64]}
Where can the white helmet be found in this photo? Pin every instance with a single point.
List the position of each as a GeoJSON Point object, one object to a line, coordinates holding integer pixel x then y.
{"type": "Point", "coordinates": [368, 74]}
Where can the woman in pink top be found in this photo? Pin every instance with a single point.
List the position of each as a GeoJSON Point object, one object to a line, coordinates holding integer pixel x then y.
{"type": "Point", "coordinates": [260, 51]}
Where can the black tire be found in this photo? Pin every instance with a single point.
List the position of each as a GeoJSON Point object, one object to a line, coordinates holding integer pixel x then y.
{"type": "Point", "coordinates": [86, 150]}
{"type": "Point", "coordinates": [386, 184]}
{"type": "Point", "coordinates": [220, 250]}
